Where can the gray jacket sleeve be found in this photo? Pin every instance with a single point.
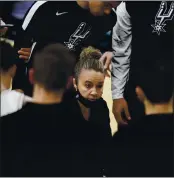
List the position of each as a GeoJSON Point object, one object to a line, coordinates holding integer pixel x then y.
{"type": "Point", "coordinates": [121, 44]}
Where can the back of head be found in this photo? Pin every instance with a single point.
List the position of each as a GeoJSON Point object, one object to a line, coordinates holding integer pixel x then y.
{"type": "Point", "coordinates": [7, 56]}
{"type": "Point", "coordinates": [89, 59]}
{"type": "Point", "coordinates": [53, 66]}
{"type": "Point", "coordinates": [156, 82]}
{"type": "Point", "coordinates": [90, 53]}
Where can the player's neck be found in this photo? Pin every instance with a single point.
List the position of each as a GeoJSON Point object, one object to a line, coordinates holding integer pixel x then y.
{"type": "Point", "coordinates": [42, 96]}
{"type": "Point", "coordinates": [6, 82]}
{"type": "Point", "coordinates": [164, 108]}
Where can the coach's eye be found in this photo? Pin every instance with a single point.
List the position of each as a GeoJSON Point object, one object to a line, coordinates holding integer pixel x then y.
{"type": "Point", "coordinates": [88, 85]}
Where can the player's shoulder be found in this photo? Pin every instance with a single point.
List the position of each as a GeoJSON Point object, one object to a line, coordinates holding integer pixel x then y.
{"type": "Point", "coordinates": [17, 115]}
{"type": "Point", "coordinates": [16, 96]}
{"type": "Point", "coordinates": [12, 95]}
{"type": "Point", "coordinates": [49, 4]}
{"type": "Point", "coordinates": [41, 7]}
{"type": "Point", "coordinates": [143, 7]}
{"type": "Point", "coordinates": [16, 93]}
{"type": "Point", "coordinates": [38, 4]}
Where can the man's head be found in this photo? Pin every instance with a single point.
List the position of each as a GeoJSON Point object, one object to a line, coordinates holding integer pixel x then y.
{"type": "Point", "coordinates": [8, 59]}
{"type": "Point", "coordinates": [155, 85]}
{"type": "Point", "coordinates": [89, 74]}
{"type": "Point", "coordinates": [98, 8]}
{"type": "Point", "coordinates": [52, 68]}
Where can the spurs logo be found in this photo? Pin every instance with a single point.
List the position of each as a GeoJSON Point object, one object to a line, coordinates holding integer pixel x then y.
{"type": "Point", "coordinates": [162, 16]}
{"type": "Point", "coordinates": [79, 35]}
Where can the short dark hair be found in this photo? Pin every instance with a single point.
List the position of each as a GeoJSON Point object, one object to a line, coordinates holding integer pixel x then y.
{"type": "Point", "coordinates": [53, 66]}
{"type": "Point", "coordinates": [89, 59]}
{"type": "Point", "coordinates": [156, 82]}
{"type": "Point", "coordinates": [8, 56]}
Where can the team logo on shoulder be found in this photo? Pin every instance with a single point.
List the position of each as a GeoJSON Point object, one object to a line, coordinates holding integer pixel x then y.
{"type": "Point", "coordinates": [162, 16]}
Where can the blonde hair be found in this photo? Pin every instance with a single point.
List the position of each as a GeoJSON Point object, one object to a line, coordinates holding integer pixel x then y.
{"type": "Point", "coordinates": [89, 59]}
{"type": "Point", "coordinates": [90, 53]}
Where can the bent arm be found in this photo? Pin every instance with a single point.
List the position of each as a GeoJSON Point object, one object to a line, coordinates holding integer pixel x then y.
{"type": "Point", "coordinates": [121, 44]}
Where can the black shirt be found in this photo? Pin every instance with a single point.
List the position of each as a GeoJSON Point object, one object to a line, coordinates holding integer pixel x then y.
{"type": "Point", "coordinates": [146, 148]}
{"type": "Point", "coordinates": [47, 140]}
{"type": "Point", "coordinates": [99, 117]}
{"type": "Point", "coordinates": [97, 133]}
{"type": "Point", "coordinates": [35, 141]}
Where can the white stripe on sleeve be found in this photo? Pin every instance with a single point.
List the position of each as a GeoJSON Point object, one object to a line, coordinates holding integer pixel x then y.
{"type": "Point", "coordinates": [31, 13]}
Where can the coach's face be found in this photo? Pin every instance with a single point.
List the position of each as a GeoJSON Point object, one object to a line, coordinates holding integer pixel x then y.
{"type": "Point", "coordinates": [99, 8]}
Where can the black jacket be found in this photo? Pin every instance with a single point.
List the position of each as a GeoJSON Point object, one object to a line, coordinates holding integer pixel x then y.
{"type": "Point", "coordinates": [151, 47]}
{"type": "Point", "coordinates": [66, 23]}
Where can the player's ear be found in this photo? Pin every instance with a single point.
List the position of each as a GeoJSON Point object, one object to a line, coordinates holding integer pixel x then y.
{"type": "Point", "coordinates": [75, 84]}
{"type": "Point", "coordinates": [70, 82]}
{"type": "Point", "coordinates": [140, 94]}
{"type": "Point", "coordinates": [31, 76]}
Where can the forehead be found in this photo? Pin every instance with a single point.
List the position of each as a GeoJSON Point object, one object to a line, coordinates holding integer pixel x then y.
{"type": "Point", "coordinates": [91, 75]}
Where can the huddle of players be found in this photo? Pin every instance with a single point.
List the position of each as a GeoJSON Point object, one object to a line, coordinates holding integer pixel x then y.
{"type": "Point", "coordinates": [53, 137]}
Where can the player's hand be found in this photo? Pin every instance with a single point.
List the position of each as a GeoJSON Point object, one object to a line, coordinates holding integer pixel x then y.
{"type": "Point", "coordinates": [24, 53]}
{"type": "Point", "coordinates": [106, 59]}
{"type": "Point", "coordinates": [120, 106]}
